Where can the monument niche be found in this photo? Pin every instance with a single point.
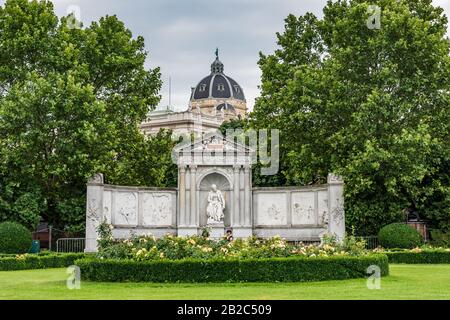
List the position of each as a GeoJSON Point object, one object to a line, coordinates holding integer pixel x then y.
{"type": "Point", "coordinates": [214, 187]}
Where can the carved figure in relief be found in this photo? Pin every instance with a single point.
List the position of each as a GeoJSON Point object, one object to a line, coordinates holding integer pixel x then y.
{"type": "Point", "coordinates": [274, 212]}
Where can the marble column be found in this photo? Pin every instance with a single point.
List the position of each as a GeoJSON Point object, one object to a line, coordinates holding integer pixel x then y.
{"type": "Point", "coordinates": [187, 197]}
{"type": "Point", "coordinates": [241, 197]}
{"type": "Point", "coordinates": [94, 211]}
{"type": "Point", "coordinates": [182, 195]}
{"type": "Point", "coordinates": [193, 192]}
{"type": "Point", "coordinates": [236, 188]}
{"type": "Point", "coordinates": [336, 224]}
{"type": "Point", "coordinates": [248, 196]}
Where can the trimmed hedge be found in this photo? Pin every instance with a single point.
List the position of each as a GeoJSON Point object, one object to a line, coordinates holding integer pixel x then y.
{"type": "Point", "coordinates": [399, 235]}
{"type": "Point", "coordinates": [14, 238]}
{"type": "Point", "coordinates": [42, 253]}
{"type": "Point", "coordinates": [424, 257]}
{"type": "Point", "coordinates": [34, 261]}
{"type": "Point", "coordinates": [292, 269]}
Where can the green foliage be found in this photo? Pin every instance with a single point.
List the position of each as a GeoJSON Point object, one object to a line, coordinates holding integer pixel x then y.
{"type": "Point", "coordinates": [155, 150]}
{"type": "Point", "coordinates": [142, 248]}
{"type": "Point", "coordinates": [399, 235]}
{"type": "Point", "coordinates": [34, 261]}
{"type": "Point", "coordinates": [351, 244]}
{"type": "Point", "coordinates": [354, 245]}
{"type": "Point", "coordinates": [219, 270]}
{"type": "Point", "coordinates": [258, 179]}
{"type": "Point", "coordinates": [439, 238]}
{"type": "Point", "coordinates": [233, 124]}
{"type": "Point", "coordinates": [14, 238]}
{"type": "Point", "coordinates": [371, 105]}
{"type": "Point", "coordinates": [25, 209]}
{"type": "Point", "coordinates": [71, 102]}
{"type": "Point", "coordinates": [421, 257]}
{"type": "Point", "coordinates": [105, 236]}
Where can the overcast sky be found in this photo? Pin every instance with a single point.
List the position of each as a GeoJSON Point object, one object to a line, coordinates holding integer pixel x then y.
{"type": "Point", "coordinates": [181, 35]}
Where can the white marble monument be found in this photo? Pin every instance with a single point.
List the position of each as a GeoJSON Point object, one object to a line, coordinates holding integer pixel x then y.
{"type": "Point", "coordinates": [216, 206]}
{"type": "Point", "coordinates": [215, 192]}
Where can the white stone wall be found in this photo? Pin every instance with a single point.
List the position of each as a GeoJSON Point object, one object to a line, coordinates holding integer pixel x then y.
{"type": "Point", "coordinates": [297, 214]}
{"type": "Point", "coordinates": [129, 210]}
{"type": "Point", "coordinates": [305, 213]}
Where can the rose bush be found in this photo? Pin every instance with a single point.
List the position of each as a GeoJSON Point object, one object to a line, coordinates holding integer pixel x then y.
{"type": "Point", "coordinates": [147, 247]}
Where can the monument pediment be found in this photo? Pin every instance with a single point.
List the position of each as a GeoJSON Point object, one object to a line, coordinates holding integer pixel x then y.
{"type": "Point", "coordinates": [214, 149]}
{"type": "Point", "coordinates": [213, 143]}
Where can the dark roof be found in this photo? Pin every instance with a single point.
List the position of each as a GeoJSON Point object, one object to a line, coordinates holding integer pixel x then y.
{"type": "Point", "coordinates": [217, 85]}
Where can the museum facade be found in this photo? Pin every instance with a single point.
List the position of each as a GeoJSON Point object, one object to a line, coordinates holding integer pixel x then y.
{"type": "Point", "coordinates": [215, 99]}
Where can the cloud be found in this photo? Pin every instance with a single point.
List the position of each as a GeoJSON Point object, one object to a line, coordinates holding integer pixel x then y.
{"type": "Point", "coordinates": [181, 36]}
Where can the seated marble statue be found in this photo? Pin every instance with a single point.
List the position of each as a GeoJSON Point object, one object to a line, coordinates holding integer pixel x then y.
{"type": "Point", "coordinates": [216, 205]}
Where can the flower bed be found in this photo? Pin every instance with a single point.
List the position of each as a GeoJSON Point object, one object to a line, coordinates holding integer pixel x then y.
{"type": "Point", "coordinates": [291, 269]}
{"type": "Point", "coordinates": [39, 261]}
{"type": "Point", "coordinates": [147, 248]}
{"type": "Point", "coordinates": [200, 259]}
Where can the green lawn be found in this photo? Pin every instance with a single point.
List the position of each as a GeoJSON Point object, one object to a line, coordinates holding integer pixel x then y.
{"type": "Point", "coordinates": [405, 282]}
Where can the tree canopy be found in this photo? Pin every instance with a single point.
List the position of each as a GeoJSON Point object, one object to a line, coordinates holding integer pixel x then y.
{"type": "Point", "coordinates": [370, 104]}
{"type": "Point", "coordinates": [71, 101]}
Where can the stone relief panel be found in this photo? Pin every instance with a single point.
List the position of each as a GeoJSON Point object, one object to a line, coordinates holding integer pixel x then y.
{"type": "Point", "coordinates": [93, 210]}
{"type": "Point", "coordinates": [126, 209]}
{"type": "Point", "coordinates": [107, 205]}
{"type": "Point", "coordinates": [271, 209]}
{"type": "Point", "coordinates": [157, 209]}
{"type": "Point", "coordinates": [337, 212]}
{"type": "Point", "coordinates": [303, 208]}
{"type": "Point", "coordinates": [323, 208]}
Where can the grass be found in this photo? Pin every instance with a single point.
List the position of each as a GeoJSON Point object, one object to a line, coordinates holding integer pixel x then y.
{"type": "Point", "coordinates": [405, 282]}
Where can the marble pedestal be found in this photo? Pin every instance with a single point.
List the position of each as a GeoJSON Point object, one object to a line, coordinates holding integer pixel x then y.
{"type": "Point", "coordinates": [217, 231]}
{"type": "Point", "coordinates": [242, 232]}
{"type": "Point", "coordinates": [187, 231]}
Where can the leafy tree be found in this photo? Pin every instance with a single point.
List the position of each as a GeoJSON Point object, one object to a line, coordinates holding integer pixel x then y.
{"type": "Point", "coordinates": [258, 179]}
{"type": "Point", "coordinates": [71, 101]}
{"type": "Point", "coordinates": [233, 124]}
{"type": "Point", "coordinates": [370, 104]}
{"type": "Point", "coordinates": [151, 157]}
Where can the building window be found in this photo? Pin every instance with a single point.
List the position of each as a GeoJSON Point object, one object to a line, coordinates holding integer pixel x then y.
{"type": "Point", "coordinates": [221, 87]}
{"type": "Point", "coordinates": [202, 87]}
{"type": "Point", "coordinates": [237, 89]}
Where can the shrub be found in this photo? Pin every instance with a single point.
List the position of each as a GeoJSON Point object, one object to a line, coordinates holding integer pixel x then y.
{"type": "Point", "coordinates": [440, 238]}
{"type": "Point", "coordinates": [399, 235]}
{"type": "Point", "coordinates": [14, 238]}
{"type": "Point", "coordinates": [106, 238]}
{"type": "Point", "coordinates": [292, 269]}
{"type": "Point", "coordinates": [416, 256]}
{"type": "Point", "coordinates": [38, 261]}
{"type": "Point", "coordinates": [143, 248]}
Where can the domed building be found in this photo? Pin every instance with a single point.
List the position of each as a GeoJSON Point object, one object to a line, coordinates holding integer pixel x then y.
{"type": "Point", "coordinates": [215, 99]}
{"type": "Point", "coordinates": [218, 93]}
